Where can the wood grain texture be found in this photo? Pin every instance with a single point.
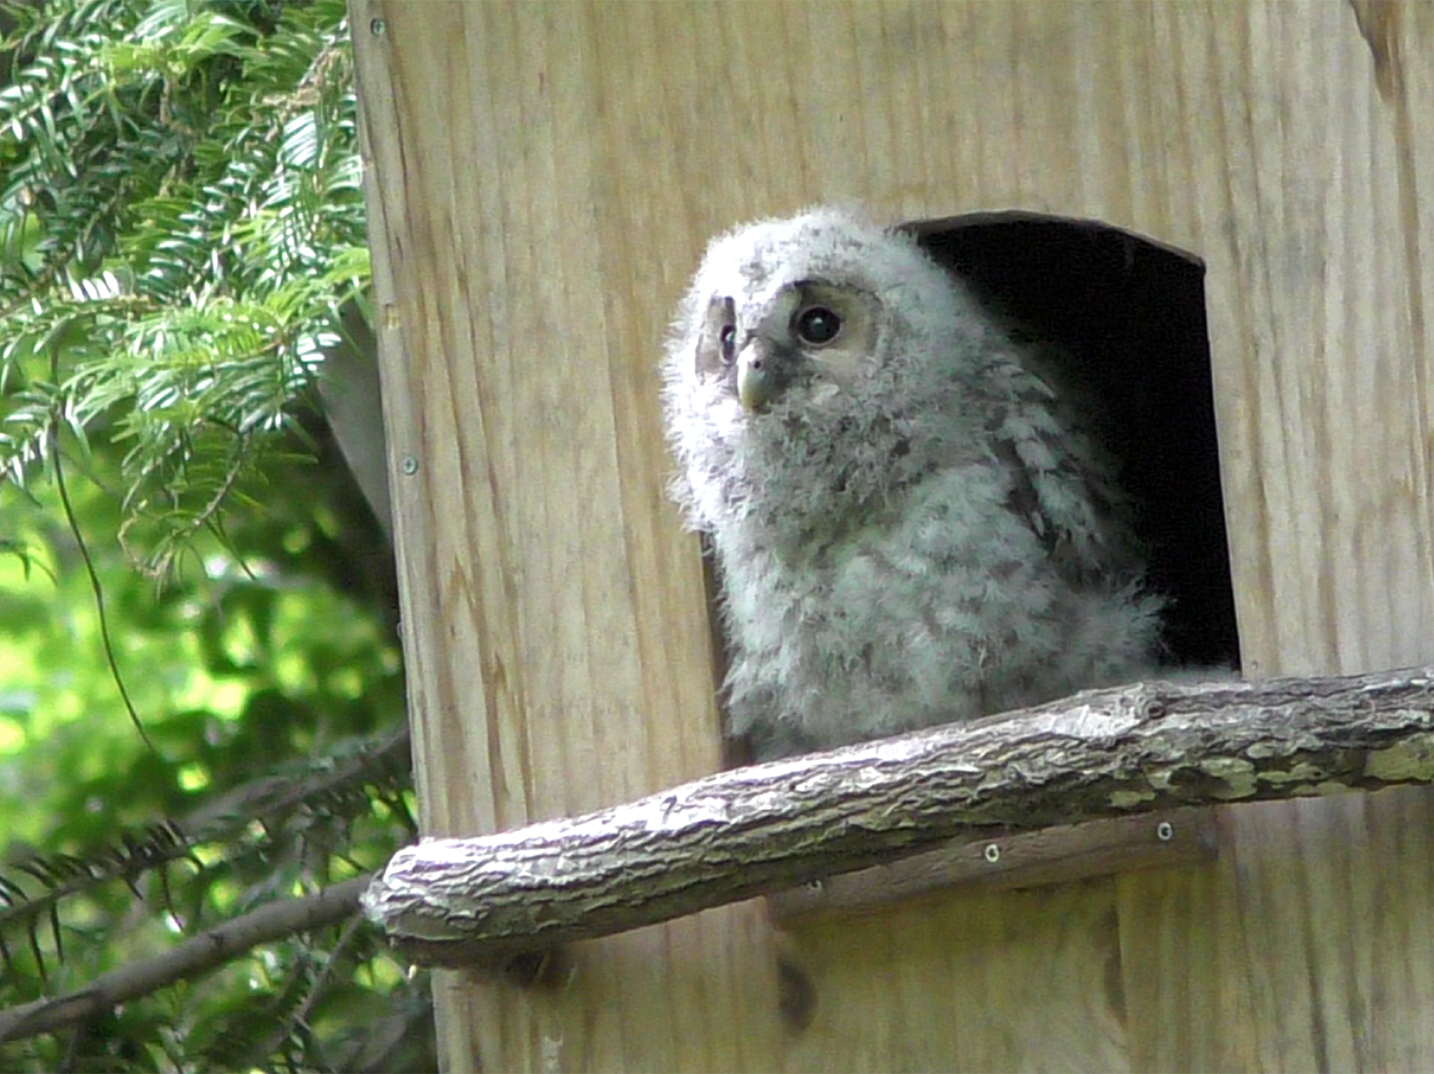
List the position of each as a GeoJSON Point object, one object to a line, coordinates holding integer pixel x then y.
{"type": "Point", "coordinates": [548, 595]}
{"type": "Point", "coordinates": [542, 181]}
{"type": "Point", "coordinates": [1058, 855]}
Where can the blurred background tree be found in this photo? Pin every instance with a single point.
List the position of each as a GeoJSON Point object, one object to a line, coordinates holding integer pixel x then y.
{"type": "Point", "coordinates": [201, 691]}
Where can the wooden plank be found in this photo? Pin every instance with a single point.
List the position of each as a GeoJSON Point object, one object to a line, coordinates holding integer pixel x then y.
{"type": "Point", "coordinates": [1294, 951]}
{"type": "Point", "coordinates": [548, 594]}
{"type": "Point", "coordinates": [1009, 980]}
{"type": "Point", "coordinates": [1034, 859]}
{"type": "Point", "coordinates": [542, 181]}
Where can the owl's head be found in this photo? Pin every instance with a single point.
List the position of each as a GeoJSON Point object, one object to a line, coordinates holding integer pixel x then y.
{"type": "Point", "coordinates": [798, 312]}
{"type": "Point", "coordinates": [814, 354]}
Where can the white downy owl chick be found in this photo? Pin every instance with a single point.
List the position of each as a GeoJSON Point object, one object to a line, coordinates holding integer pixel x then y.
{"type": "Point", "coordinates": [912, 524]}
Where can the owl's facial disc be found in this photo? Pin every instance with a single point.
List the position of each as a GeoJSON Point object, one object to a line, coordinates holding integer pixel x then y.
{"type": "Point", "coordinates": [796, 323]}
{"type": "Point", "coordinates": [813, 333]}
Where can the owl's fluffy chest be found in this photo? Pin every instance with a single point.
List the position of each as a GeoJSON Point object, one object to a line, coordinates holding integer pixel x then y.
{"type": "Point", "coordinates": [948, 606]}
{"type": "Point", "coordinates": [902, 619]}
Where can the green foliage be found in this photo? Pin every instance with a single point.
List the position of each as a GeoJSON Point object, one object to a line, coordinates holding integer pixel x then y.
{"type": "Point", "coordinates": [180, 218]}
{"type": "Point", "coordinates": [265, 695]}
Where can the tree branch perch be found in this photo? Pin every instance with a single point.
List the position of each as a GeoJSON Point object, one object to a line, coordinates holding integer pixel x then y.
{"type": "Point", "coordinates": [751, 831]}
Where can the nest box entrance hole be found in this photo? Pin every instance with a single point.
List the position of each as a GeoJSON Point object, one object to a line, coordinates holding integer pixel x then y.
{"type": "Point", "coordinates": [1126, 317]}
{"type": "Point", "coordinates": [1129, 317]}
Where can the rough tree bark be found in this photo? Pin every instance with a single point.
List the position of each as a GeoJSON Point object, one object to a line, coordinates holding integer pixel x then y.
{"type": "Point", "coordinates": [750, 831]}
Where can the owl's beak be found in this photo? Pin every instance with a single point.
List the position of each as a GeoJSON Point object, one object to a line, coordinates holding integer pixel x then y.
{"type": "Point", "coordinates": [756, 387]}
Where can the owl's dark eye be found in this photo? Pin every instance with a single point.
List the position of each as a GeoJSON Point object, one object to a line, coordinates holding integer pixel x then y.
{"type": "Point", "coordinates": [817, 325]}
{"type": "Point", "coordinates": [728, 340]}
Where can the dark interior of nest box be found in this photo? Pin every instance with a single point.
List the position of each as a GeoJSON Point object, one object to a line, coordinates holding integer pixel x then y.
{"type": "Point", "coordinates": [1128, 317]}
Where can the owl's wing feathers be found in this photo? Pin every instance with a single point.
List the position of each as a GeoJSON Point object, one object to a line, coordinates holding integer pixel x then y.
{"type": "Point", "coordinates": [1062, 483]}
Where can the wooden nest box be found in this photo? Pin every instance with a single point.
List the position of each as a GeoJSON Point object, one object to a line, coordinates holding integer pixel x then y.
{"type": "Point", "coordinates": [542, 182]}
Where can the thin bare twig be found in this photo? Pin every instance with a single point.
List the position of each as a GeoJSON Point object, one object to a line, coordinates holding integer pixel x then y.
{"type": "Point", "coordinates": [213, 948]}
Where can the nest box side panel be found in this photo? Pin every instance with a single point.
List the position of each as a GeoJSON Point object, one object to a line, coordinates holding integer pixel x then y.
{"type": "Point", "coordinates": [556, 651]}
{"type": "Point", "coordinates": [1307, 174]}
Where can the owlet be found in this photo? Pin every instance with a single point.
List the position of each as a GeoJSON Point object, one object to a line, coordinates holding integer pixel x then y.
{"type": "Point", "coordinates": [913, 522]}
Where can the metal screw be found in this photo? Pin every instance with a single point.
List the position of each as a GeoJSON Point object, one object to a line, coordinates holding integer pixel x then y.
{"type": "Point", "coordinates": [993, 853]}
{"type": "Point", "coordinates": [410, 465]}
{"type": "Point", "coordinates": [1164, 831]}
